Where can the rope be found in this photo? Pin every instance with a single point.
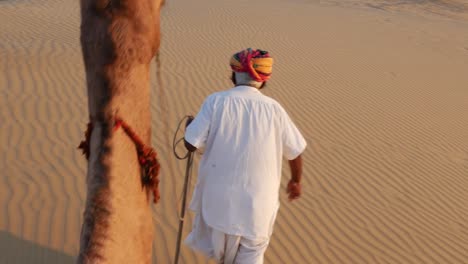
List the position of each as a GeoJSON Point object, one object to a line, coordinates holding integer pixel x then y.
{"type": "Point", "coordinates": [147, 156]}
{"type": "Point", "coordinates": [176, 141]}
{"type": "Point", "coordinates": [188, 177]}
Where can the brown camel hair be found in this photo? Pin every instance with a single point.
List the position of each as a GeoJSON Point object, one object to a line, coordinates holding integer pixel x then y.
{"type": "Point", "coordinates": [119, 38]}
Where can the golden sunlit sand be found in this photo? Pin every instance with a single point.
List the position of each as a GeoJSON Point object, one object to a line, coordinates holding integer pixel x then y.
{"type": "Point", "coordinates": [379, 90]}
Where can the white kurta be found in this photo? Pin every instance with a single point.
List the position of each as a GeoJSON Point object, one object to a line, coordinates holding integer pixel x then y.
{"type": "Point", "coordinates": [245, 135]}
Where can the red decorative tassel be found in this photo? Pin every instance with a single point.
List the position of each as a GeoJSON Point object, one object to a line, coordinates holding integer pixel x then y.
{"type": "Point", "coordinates": [147, 156]}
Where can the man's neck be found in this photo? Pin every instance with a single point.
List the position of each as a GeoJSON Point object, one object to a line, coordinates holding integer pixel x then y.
{"type": "Point", "coordinates": [246, 85]}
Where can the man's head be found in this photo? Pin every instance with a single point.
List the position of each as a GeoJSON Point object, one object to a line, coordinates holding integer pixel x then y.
{"type": "Point", "coordinates": [251, 67]}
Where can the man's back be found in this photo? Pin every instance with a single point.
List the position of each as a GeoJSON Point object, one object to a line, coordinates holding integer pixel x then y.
{"type": "Point", "coordinates": [245, 137]}
{"type": "Point", "coordinates": [246, 133]}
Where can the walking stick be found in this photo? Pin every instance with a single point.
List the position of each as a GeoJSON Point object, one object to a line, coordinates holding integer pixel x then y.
{"type": "Point", "coordinates": [188, 172]}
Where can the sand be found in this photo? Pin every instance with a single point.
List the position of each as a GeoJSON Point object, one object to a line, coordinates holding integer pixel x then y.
{"type": "Point", "coordinates": [378, 88]}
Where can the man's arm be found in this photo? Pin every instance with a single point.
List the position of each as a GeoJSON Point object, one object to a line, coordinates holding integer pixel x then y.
{"type": "Point", "coordinates": [294, 185]}
{"type": "Point", "coordinates": [296, 169]}
{"type": "Point", "coordinates": [189, 146]}
{"type": "Point", "coordinates": [293, 145]}
{"type": "Point", "coordinates": [197, 129]}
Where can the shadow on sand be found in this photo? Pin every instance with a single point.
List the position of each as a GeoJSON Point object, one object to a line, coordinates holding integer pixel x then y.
{"type": "Point", "coordinates": [454, 6]}
{"type": "Point", "coordinates": [15, 250]}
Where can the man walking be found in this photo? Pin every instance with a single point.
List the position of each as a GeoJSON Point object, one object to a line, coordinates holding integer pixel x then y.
{"type": "Point", "coordinates": [245, 135]}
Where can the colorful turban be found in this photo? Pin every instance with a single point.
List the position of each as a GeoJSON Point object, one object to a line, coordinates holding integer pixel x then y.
{"type": "Point", "coordinates": [257, 63]}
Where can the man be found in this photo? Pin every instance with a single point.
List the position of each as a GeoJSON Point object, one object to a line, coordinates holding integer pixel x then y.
{"type": "Point", "coordinates": [244, 134]}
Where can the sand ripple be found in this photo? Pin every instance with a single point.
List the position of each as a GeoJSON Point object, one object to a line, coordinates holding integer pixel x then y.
{"type": "Point", "coordinates": [380, 97]}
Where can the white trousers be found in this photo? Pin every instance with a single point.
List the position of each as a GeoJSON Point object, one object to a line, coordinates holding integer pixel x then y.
{"type": "Point", "coordinates": [229, 249]}
{"type": "Point", "coordinates": [224, 248]}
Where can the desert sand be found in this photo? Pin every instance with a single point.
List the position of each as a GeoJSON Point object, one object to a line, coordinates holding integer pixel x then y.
{"type": "Point", "coordinates": [378, 88]}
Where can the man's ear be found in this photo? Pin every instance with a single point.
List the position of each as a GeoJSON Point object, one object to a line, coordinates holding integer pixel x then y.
{"type": "Point", "coordinates": [233, 78]}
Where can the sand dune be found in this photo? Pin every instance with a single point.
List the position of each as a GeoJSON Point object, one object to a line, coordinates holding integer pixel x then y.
{"type": "Point", "coordinates": [378, 88]}
{"type": "Point", "coordinates": [453, 9]}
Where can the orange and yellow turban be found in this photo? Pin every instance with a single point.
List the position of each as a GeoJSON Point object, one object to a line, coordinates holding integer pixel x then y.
{"type": "Point", "coordinates": [257, 63]}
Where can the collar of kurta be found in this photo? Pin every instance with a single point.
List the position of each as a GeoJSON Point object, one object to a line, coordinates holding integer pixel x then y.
{"type": "Point", "coordinates": [246, 88]}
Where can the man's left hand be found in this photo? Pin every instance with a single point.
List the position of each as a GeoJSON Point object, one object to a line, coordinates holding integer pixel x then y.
{"type": "Point", "coordinates": [293, 190]}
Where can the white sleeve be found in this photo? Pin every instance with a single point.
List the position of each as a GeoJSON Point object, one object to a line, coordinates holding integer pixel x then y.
{"type": "Point", "coordinates": [197, 132]}
{"type": "Point", "coordinates": [293, 141]}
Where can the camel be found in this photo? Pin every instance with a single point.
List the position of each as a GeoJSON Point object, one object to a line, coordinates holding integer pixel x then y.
{"type": "Point", "coordinates": [119, 38]}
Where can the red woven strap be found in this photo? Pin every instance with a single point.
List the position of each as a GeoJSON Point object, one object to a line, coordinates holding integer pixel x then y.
{"type": "Point", "coordinates": [147, 156]}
